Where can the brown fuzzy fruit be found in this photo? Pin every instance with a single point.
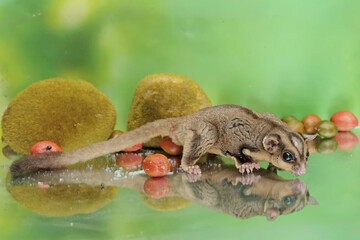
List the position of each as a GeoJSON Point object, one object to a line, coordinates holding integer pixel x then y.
{"type": "Point", "coordinates": [160, 96]}
{"type": "Point", "coordinates": [71, 113]}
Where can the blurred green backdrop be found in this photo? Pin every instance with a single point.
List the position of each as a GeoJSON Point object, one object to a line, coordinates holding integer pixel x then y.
{"type": "Point", "coordinates": [282, 56]}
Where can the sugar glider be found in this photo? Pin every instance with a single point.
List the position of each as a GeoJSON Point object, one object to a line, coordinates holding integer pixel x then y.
{"type": "Point", "coordinates": [228, 130]}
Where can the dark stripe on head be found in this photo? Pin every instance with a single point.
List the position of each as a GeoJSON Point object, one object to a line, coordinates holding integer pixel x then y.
{"type": "Point", "coordinates": [299, 142]}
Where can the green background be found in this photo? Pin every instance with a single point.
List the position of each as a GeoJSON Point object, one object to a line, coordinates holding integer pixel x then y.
{"type": "Point", "coordinates": [288, 57]}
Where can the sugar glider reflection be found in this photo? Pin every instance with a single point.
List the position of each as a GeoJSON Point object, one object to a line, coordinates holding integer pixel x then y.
{"type": "Point", "coordinates": [261, 193]}
{"type": "Point", "coordinates": [222, 189]}
{"type": "Point", "coordinates": [231, 131]}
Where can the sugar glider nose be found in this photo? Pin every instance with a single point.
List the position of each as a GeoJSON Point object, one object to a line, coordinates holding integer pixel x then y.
{"type": "Point", "coordinates": [300, 170]}
{"type": "Point", "coordinates": [298, 186]}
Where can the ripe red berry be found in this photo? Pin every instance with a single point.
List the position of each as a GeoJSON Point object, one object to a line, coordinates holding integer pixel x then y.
{"type": "Point", "coordinates": [346, 140]}
{"type": "Point", "coordinates": [117, 133]}
{"type": "Point", "coordinates": [156, 165]}
{"type": "Point", "coordinates": [44, 147]}
{"type": "Point", "coordinates": [345, 120]}
{"type": "Point", "coordinates": [169, 147]}
{"type": "Point", "coordinates": [157, 187]}
{"type": "Point", "coordinates": [310, 122]}
{"type": "Point", "coordinates": [129, 161]}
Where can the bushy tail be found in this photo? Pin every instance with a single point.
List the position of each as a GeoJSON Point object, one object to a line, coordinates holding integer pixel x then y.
{"type": "Point", "coordinates": [56, 160]}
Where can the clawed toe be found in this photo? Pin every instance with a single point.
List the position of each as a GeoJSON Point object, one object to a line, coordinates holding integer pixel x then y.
{"type": "Point", "coordinates": [246, 179]}
{"type": "Point", "coordinates": [248, 167]}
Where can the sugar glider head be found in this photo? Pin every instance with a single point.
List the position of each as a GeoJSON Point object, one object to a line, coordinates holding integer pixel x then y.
{"type": "Point", "coordinates": [287, 197]}
{"type": "Point", "coordinates": [288, 150]}
{"type": "Point", "coordinates": [284, 149]}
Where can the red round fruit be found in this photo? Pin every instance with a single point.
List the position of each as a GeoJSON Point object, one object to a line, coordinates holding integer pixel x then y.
{"type": "Point", "coordinates": [175, 162]}
{"type": "Point", "coordinates": [129, 161]}
{"type": "Point", "coordinates": [310, 122]}
{"type": "Point", "coordinates": [133, 148]}
{"type": "Point", "coordinates": [157, 187]}
{"type": "Point", "coordinates": [346, 140]}
{"type": "Point", "coordinates": [169, 147]}
{"type": "Point", "coordinates": [345, 120]}
{"type": "Point", "coordinates": [156, 165]}
{"type": "Point", "coordinates": [44, 147]}
{"type": "Point", "coordinates": [117, 133]}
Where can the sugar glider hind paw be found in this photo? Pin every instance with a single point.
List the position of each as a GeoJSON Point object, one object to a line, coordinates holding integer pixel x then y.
{"type": "Point", "coordinates": [249, 167]}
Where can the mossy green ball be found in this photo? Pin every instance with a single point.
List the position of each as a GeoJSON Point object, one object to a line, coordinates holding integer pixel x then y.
{"type": "Point", "coordinates": [160, 96]}
{"type": "Point", "coordinates": [69, 113]}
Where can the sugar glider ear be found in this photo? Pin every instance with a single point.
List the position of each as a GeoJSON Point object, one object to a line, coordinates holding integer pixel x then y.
{"type": "Point", "coordinates": [271, 142]}
{"type": "Point", "coordinates": [312, 201]}
{"type": "Point", "coordinates": [309, 137]}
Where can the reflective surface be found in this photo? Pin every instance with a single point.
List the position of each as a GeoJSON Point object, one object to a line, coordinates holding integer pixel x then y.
{"type": "Point", "coordinates": [220, 188]}
{"type": "Point", "coordinates": [101, 199]}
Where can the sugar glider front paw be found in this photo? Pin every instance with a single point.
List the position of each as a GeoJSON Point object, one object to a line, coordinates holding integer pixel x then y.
{"type": "Point", "coordinates": [248, 167]}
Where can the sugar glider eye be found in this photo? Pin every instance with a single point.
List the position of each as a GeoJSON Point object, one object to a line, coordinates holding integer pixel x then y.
{"type": "Point", "coordinates": [289, 201]}
{"type": "Point", "coordinates": [288, 157]}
